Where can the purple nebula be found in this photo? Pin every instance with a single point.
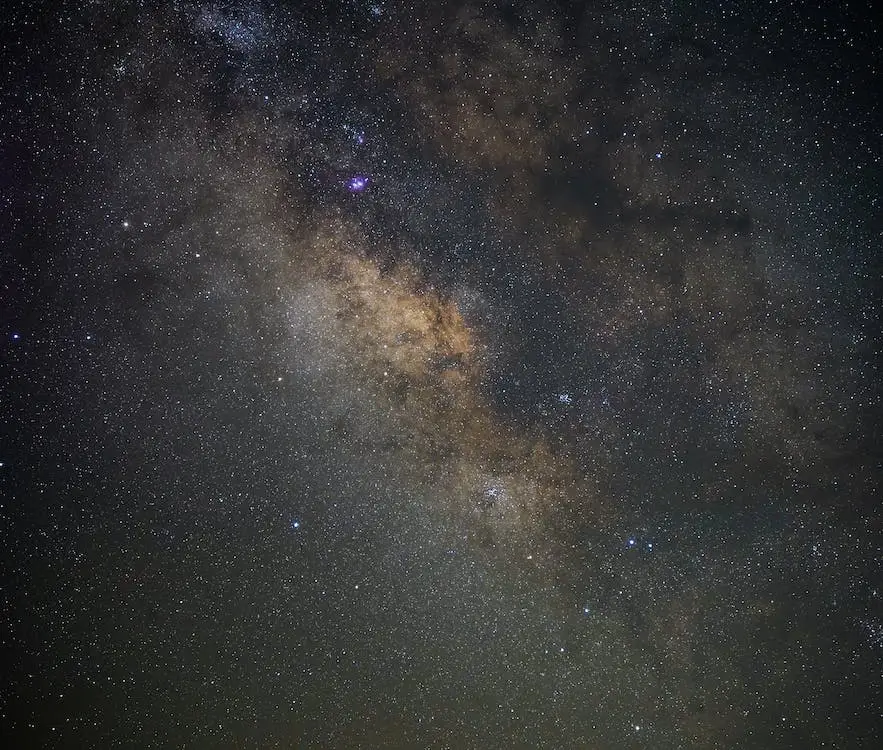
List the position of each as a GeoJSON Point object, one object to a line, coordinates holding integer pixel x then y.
{"type": "Point", "coordinates": [357, 183]}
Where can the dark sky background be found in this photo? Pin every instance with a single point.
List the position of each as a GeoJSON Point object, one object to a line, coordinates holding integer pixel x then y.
{"type": "Point", "coordinates": [440, 375]}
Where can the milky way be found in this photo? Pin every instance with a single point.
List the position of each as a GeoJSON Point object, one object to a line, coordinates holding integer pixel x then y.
{"type": "Point", "coordinates": [456, 375]}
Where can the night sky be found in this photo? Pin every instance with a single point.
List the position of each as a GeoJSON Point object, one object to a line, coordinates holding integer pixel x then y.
{"type": "Point", "coordinates": [440, 375]}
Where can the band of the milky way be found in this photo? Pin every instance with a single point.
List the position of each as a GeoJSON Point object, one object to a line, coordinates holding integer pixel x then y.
{"type": "Point", "coordinates": [440, 375]}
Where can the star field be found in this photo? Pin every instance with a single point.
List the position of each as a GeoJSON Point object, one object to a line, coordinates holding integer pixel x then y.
{"type": "Point", "coordinates": [444, 375]}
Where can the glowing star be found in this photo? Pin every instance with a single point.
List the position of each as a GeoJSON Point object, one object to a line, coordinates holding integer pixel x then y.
{"type": "Point", "coordinates": [357, 183]}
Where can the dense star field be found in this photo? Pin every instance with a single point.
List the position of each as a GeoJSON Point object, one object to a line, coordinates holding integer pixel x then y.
{"type": "Point", "coordinates": [440, 375]}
